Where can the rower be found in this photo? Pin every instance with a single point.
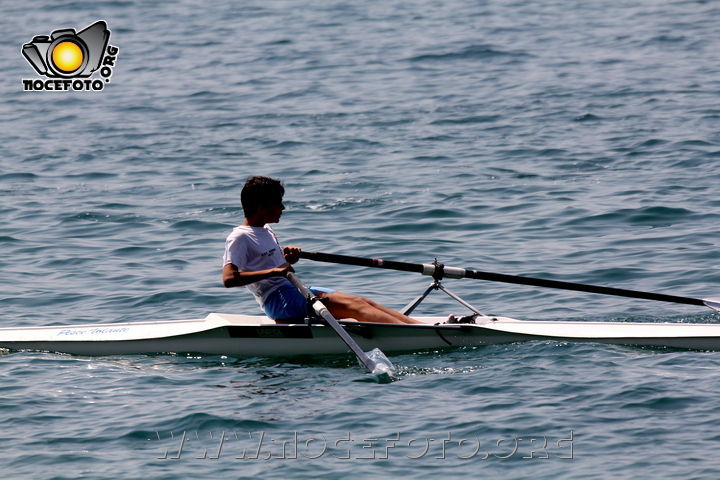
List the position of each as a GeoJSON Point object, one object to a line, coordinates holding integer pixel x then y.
{"type": "Point", "coordinates": [254, 259]}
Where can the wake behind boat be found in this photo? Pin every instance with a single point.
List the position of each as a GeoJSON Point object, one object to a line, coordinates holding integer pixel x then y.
{"type": "Point", "coordinates": [250, 336]}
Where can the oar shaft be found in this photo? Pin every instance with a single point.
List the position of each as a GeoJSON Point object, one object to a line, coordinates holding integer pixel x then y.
{"type": "Point", "coordinates": [453, 272]}
{"type": "Point", "coordinates": [580, 287]}
{"type": "Point", "coordinates": [325, 314]}
{"type": "Point", "coordinates": [362, 262]}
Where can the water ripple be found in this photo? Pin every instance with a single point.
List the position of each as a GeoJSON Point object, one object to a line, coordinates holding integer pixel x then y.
{"type": "Point", "coordinates": [525, 138]}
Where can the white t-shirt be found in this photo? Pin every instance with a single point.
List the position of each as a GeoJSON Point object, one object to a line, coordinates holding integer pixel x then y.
{"type": "Point", "coordinates": [256, 248]}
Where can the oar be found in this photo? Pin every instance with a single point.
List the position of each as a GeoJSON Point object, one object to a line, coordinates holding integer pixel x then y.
{"type": "Point", "coordinates": [440, 271]}
{"type": "Point", "coordinates": [322, 310]}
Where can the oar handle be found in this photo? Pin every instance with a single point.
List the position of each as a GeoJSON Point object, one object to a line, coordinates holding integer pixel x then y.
{"type": "Point", "coordinates": [438, 271]}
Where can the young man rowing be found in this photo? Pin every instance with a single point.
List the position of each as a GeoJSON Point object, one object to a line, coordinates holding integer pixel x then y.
{"type": "Point", "coordinates": [254, 259]}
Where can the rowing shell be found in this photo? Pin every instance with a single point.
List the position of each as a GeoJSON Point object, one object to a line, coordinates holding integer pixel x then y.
{"type": "Point", "coordinates": [250, 336]}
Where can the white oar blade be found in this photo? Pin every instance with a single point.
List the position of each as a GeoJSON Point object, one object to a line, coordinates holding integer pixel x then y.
{"type": "Point", "coordinates": [382, 363]}
{"type": "Point", "coordinates": [713, 303]}
{"type": "Point", "coordinates": [383, 370]}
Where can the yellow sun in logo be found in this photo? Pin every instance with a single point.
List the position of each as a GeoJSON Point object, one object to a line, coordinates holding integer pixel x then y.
{"type": "Point", "coordinates": [67, 56]}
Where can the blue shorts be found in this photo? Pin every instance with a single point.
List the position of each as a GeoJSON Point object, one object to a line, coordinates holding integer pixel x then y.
{"type": "Point", "coordinates": [287, 302]}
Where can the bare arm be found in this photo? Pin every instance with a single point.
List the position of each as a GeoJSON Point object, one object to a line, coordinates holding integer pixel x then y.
{"type": "Point", "coordinates": [232, 277]}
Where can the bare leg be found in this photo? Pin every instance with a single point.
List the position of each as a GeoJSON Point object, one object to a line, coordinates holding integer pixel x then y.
{"type": "Point", "coordinates": [362, 309]}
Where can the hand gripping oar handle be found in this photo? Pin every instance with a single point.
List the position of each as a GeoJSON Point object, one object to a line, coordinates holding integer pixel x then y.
{"type": "Point", "coordinates": [322, 310]}
{"type": "Point", "coordinates": [439, 271]}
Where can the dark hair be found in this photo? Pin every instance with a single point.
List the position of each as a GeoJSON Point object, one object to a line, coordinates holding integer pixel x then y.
{"type": "Point", "coordinates": [260, 191]}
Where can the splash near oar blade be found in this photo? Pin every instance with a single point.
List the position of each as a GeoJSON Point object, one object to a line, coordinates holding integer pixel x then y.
{"type": "Point", "coordinates": [439, 271]}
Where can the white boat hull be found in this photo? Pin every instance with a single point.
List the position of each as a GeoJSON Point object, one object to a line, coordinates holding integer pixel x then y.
{"type": "Point", "coordinates": [250, 336]}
